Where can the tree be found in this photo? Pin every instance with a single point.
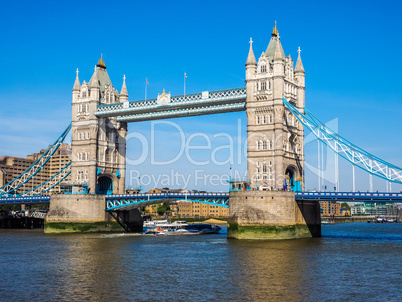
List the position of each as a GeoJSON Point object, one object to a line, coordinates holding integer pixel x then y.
{"type": "Point", "coordinates": [345, 205]}
{"type": "Point", "coordinates": [163, 208]}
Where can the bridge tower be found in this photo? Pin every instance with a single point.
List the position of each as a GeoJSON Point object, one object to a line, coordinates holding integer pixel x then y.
{"type": "Point", "coordinates": [275, 153]}
{"type": "Point", "coordinates": [98, 144]}
{"type": "Point", "coordinates": [275, 137]}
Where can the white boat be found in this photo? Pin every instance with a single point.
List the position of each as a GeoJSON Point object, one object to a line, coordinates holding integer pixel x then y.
{"type": "Point", "coordinates": [182, 228]}
{"type": "Point", "coordinates": [155, 223]}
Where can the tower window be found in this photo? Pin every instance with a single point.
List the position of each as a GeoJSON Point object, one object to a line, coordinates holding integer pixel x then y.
{"type": "Point", "coordinates": [264, 85]}
{"type": "Point", "coordinates": [264, 68]}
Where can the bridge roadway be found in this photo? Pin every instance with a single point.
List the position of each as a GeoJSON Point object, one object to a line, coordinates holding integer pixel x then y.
{"type": "Point", "coordinates": [123, 202]}
{"type": "Point", "coordinates": [206, 102]}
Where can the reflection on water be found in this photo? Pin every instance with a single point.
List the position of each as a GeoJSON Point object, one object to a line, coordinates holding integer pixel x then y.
{"type": "Point", "coordinates": [351, 262]}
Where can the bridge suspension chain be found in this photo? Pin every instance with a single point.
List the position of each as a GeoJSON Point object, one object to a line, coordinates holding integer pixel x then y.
{"type": "Point", "coordinates": [28, 174]}
{"type": "Point", "coordinates": [50, 183]}
{"type": "Point", "coordinates": [349, 151]}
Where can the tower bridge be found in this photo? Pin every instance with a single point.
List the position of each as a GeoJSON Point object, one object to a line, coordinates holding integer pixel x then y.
{"type": "Point", "coordinates": [274, 101]}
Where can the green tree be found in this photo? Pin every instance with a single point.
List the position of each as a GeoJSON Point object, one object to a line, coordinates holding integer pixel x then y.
{"type": "Point", "coordinates": [163, 208]}
{"type": "Point", "coordinates": [345, 205]}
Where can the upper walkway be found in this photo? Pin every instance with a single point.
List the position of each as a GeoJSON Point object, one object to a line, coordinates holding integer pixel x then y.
{"type": "Point", "coordinates": [206, 102]}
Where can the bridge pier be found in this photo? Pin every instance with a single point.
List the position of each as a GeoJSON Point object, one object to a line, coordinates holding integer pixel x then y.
{"type": "Point", "coordinates": [79, 213]}
{"type": "Point", "coordinates": [272, 215]}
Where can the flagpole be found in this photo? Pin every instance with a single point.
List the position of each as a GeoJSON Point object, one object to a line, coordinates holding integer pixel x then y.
{"type": "Point", "coordinates": [146, 84]}
{"type": "Point", "coordinates": [184, 84]}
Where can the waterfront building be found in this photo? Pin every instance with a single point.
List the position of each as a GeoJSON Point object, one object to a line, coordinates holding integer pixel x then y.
{"type": "Point", "coordinates": [330, 208]}
{"type": "Point", "coordinates": [187, 208]}
{"type": "Point", "coordinates": [11, 167]}
{"type": "Point", "coordinates": [380, 209]}
{"type": "Point", "coordinates": [358, 209]}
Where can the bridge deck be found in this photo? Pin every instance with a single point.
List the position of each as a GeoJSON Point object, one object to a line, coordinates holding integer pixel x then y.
{"type": "Point", "coordinates": [220, 199]}
{"type": "Point", "coordinates": [228, 100]}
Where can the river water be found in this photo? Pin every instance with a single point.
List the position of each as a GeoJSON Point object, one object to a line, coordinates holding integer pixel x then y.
{"type": "Point", "coordinates": [352, 262]}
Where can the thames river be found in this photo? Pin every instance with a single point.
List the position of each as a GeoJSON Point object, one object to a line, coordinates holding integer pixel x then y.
{"type": "Point", "coordinates": [352, 262]}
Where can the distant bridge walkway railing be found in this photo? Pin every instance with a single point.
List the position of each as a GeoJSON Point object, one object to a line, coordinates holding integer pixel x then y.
{"type": "Point", "coordinates": [25, 200]}
{"type": "Point", "coordinates": [350, 196]}
{"type": "Point", "coordinates": [125, 202]}
{"type": "Point", "coordinates": [115, 202]}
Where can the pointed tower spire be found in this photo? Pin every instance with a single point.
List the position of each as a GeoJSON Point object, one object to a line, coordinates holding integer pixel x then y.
{"type": "Point", "coordinates": [77, 85]}
{"type": "Point", "coordinates": [123, 92]}
{"type": "Point", "coordinates": [299, 64]}
{"type": "Point", "coordinates": [251, 58]}
{"type": "Point", "coordinates": [279, 53]}
{"type": "Point", "coordinates": [124, 88]}
{"type": "Point", "coordinates": [274, 46]}
{"type": "Point", "coordinates": [94, 82]}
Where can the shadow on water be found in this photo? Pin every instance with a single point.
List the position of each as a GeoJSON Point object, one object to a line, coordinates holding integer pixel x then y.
{"type": "Point", "coordinates": [273, 270]}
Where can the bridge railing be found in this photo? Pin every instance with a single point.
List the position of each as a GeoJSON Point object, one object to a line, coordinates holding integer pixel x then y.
{"type": "Point", "coordinates": [180, 100]}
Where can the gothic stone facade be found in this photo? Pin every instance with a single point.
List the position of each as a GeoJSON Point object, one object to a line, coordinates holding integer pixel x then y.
{"type": "Point", "coordinates": [275, 138]}
{"type": "Point", "coordinates": [98, 144]}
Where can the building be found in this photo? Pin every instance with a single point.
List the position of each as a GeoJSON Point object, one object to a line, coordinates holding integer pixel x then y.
{"type": "Point", "coordinates": [11, 167]}
{"type": "Point", "coordinates": [380, 209]}
{"type": "Point", "coordinates": [99, 144]}
{"type": "Point", "coordinates": [330, 208]}
{"type": "Point", "coordinates": [275, 155]}
{"type": "Point", "coordinates": [358, 209]}
{"type": "Point", "coordinates": [188, 208]}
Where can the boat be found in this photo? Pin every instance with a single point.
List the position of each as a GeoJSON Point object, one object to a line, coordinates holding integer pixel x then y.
{"type": "Point", "coordinates": [183, 228]}
{"type": "Point", "coordinates": [154, 223]}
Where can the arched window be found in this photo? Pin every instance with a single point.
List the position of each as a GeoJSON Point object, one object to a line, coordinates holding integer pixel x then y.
{"type": "Point", "coordinates": [271, 145]}
{"type": "Point", "coordinates": [263, 68]}
{"type": "Point", "coordinates": [257, 119]}
{"type": "Point", "coordinates": [264, 119]}
{"type": "Point", "coordinates": [270, 119]}
{"type": "Point", "coordinates": [264, 145]}
{"type": "Point", "coordinates": [260, 145]}
{"type": "Point", "coordinates": [263, 85]}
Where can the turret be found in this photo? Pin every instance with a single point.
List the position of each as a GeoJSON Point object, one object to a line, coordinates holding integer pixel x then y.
{"type": "Point", "coordinates": [278, 68]}
{"type": "Point", "coordinates": [94, 86]}
{"type": "Point", "coordinates": [299, 70]}
{"type": "Point", "coordinates": [123, 92]}
{"type": "Point", "coordinates": [300, 78]}
{"type": "Point", "coordinates": [76, 88]}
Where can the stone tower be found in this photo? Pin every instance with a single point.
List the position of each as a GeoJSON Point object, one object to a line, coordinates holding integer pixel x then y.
{"type": "Point", "coordinates": [275, 138]}
{"type": "Point", "coordinates": [98, 144]}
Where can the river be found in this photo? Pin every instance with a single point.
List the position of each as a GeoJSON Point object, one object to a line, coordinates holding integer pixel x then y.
{"type": "Point", "coordinates": [351, 262]}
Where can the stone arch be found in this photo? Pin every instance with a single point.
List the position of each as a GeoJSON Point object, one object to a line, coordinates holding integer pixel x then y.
{"type": "Point", "coordinates": [104, 185]}
{"type": "Point", "coordinates": [291, 176]}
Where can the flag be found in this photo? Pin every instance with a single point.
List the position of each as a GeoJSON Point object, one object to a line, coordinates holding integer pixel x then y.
{"type": "Point", "coordinates": [185, 75]}
{"type": "Point", "coordinates": [146, 79]}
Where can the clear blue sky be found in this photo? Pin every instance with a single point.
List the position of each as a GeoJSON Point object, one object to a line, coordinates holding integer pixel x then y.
{"type": "Point", "coordinates": [349, 51]}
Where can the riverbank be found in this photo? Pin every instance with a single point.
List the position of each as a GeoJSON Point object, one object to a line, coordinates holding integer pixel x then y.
{"type": "Point", "coordinates": [347, 219]}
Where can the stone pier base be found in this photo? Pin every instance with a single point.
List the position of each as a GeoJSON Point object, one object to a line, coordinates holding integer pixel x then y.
{"type": "Point", "coordinates": [79, 213]}
{"type": "Point", "coordinates": [272, 215]}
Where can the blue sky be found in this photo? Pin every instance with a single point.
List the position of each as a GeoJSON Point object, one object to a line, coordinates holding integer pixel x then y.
{"type": "Point", "coordinates": [349, 51]}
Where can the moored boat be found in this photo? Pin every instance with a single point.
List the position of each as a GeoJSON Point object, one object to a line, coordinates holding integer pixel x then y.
{"type": "Point", "coordinates": [182, 228]}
